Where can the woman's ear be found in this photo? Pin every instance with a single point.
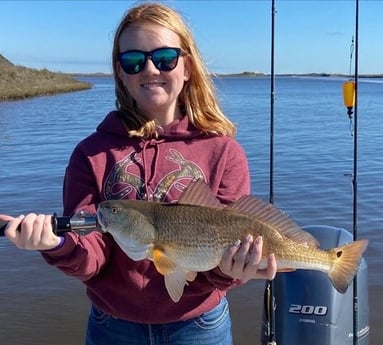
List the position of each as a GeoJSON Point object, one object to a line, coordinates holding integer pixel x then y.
{"type": "Point", "coordinates": [120, 71]}
{"type": "Point", "coordinates": [187, 67]}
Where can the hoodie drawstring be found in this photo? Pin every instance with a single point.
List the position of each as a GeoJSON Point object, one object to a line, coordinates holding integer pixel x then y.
{"type": "Point", "coordinates": [153, 169]}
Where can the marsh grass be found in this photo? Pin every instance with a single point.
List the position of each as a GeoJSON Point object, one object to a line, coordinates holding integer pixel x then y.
{"type": "Point", "coordinates": [18, 82]}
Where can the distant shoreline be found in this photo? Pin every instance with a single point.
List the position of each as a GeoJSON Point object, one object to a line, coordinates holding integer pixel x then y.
{"type": "Point", "coordinates": [19, 82]}
{"type": "Point", "coordinates": [250, 75]}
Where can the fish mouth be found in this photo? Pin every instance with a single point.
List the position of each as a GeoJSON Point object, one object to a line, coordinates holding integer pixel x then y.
{"type": "Point", "coordinates": [101, 220]}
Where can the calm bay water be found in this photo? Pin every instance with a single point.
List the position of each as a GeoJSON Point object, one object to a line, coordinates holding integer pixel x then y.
{"type": "Point", "coordinates": [313, 160]}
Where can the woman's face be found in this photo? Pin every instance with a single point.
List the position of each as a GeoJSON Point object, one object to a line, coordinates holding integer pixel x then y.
{"type": "Point", "coordinates": [155, 92]}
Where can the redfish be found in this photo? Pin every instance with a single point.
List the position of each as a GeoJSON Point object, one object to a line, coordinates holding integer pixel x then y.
{"type": "Point", "coordinates": [190, 236]}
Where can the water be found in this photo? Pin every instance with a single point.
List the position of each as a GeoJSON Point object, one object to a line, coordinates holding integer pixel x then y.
{"type": "Point", "coordinates": [313, 160]}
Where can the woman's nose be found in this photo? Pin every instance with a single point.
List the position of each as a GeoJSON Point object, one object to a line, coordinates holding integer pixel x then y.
{"type": "Point", "coordinates": [149, 66]}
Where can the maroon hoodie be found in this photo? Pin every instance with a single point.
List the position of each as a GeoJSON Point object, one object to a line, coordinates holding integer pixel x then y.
{"type": "Point", "coordinates": [110, 165]}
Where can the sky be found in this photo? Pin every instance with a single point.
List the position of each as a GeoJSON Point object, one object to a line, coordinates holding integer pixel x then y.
{"type": "Point", "coordinates": [311, 36]}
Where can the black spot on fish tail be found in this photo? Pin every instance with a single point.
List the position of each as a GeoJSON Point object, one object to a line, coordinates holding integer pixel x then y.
{"type": "Point", "coordinates": [346, 264]}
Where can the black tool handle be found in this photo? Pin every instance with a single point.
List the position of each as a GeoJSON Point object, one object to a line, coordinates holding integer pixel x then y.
{"type": "Point", "coordinates": [59, 225]}
{"type": "Point", "coordinates": [3, 225]}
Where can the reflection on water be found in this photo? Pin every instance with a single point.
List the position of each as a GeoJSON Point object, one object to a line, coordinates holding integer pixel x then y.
{"type": "Point", "coordinates": [38, 304]}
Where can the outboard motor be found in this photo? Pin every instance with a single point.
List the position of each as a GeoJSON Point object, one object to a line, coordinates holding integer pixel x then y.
{"type": "Point", "coordinates": [308, 308]}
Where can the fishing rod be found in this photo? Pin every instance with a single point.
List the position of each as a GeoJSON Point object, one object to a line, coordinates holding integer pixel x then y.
{"type": "Point", "coordinates": [350, 98]}
{"type": "Point", "coordinates": [355, 175]}
{"type": "Point", "coordinates": [269, 298]}
{"type": "Point", "coordinates": [79, 223]}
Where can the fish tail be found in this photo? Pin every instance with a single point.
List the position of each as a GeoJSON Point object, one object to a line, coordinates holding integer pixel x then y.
{"type": "Point", "coordinates": [346, 264]}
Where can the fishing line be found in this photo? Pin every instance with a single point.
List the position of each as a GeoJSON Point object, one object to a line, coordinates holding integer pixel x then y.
{"type": "Point", "coordinates": [349, 90]}
{"type": "Point", "coordinates": [352, 46]}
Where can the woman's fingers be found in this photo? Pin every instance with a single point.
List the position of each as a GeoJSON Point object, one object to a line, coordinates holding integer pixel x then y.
{"type": "Point", "coordinates": [243, 261]}
{"type": "Point", "coordinates": [33, 232]}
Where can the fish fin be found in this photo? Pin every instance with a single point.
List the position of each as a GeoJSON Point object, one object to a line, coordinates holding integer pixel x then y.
{"type": "Point", "coordinates": [346, 264]}
{"type": "Point", "coordinates": [190, 276]}
{"type": "Point", "coordinates": [268, 213]}
{"type": "Point", "coordinates": [199, 193]}
{"type": "Point", "coordinates": [163, 264]}
{"type": "Point", "coordinates": [175, 277]}
{"type": "Point", "coordinates": [176, 281]}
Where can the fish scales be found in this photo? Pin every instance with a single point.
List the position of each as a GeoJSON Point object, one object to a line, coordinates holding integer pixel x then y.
{"type": "Point", "coordinates": [190, 236]}
{"type": "Point", "coordinates": [189, 227]}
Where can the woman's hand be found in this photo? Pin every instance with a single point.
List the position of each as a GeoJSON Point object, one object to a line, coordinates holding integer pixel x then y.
{"type": "Point", "coordinates": [241, 261]}
{"type": "Point", "coordinates": [33, 232]}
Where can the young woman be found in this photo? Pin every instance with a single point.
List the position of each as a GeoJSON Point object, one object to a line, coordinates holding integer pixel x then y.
{"type": "Point", "coordinates": [167, 130]}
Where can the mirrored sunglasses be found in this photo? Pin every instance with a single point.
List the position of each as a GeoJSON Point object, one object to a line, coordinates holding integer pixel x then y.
{"type": "Point", "coordinates": [164, 59]}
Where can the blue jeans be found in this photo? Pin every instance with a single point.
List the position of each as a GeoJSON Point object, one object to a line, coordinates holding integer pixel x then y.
{"type": "Point", "coordinates": [211, 328]}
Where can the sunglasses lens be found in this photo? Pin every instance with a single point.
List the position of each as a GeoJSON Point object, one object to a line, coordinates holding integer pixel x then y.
{"type": "Point", "coordinates": [132, 62]}
{"type": "Point", "coordinates": [165, 59]}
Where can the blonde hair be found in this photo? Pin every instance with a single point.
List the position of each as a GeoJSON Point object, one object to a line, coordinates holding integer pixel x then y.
{"type": "Point", "coordinates": [197, 99]}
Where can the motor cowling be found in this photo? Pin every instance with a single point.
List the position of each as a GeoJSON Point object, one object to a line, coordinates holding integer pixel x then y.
{"type": "Point", "coordinates": [308, 309]}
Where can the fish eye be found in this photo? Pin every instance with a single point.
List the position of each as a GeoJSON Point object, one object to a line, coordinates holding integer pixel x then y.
{"type": "Point", "coordinates": [114, 209]}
